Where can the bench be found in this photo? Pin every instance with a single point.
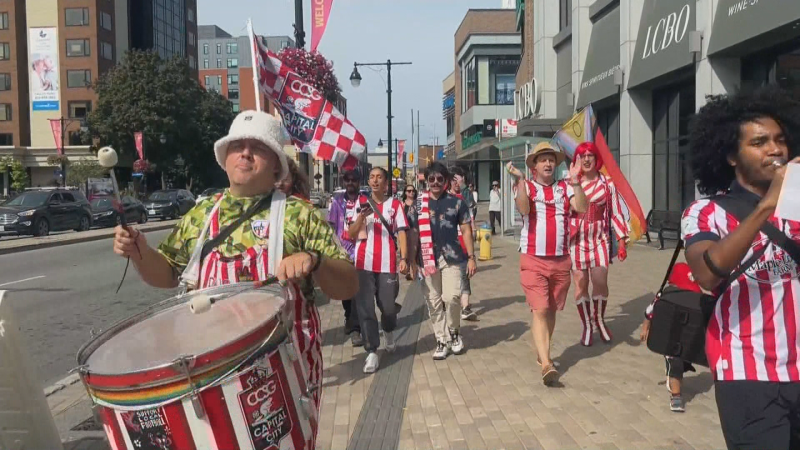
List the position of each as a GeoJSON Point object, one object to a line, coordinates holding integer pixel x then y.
{"type": "Point", "coordinates": [660, 221]}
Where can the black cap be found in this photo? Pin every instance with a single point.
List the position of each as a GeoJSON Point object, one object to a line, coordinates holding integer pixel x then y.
{"type": "Point", "coordinates": [352, 173]}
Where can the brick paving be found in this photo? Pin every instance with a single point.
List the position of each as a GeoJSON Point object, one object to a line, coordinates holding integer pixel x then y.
{"type": "Point", "coordinates": [612, 396]}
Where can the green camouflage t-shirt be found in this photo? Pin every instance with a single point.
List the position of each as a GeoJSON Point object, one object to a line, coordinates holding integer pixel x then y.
{"type": "Point", "coordinates": [304, 229]}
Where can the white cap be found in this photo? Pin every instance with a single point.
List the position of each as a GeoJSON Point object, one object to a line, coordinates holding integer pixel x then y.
{"type": "Point", "coordinates": [256, 125]}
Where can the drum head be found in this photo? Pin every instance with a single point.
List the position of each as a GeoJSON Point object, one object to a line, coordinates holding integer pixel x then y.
{"type": "Point", "coordinates": [170, 329]}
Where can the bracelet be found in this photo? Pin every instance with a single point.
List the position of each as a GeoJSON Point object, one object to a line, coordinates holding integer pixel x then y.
{"type": "Point", "coordinates": [472, 257]}
{"type": "Point", "coordinates": [719, 273]}
{"type": "Point", "coordinates": [315, 254]}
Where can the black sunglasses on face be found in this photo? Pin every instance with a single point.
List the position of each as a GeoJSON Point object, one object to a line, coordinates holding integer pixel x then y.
{"type": "Point", "coordinates": [433, 178]}
{"type": "Point", "coordinates": [350, 180]}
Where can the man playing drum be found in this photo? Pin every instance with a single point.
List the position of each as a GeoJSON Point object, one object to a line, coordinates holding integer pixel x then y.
{"type": "Point", "coordinates": [303, 251]}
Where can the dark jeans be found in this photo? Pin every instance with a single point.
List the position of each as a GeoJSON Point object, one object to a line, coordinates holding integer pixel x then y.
{"type": "Point", "coordinates": [759, 415]}
{"type": "Point", "coordinates": [350, 317]}
{"type": "Point", "coordinates": [492, 216]}
{"type": "Point", "coordinates": [384, 288]}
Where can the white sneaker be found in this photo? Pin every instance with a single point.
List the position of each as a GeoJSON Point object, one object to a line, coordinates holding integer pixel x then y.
{"type": "Point", "coordinates": [440, 352]}
{"type": "Point", "coordinates": [456, 343]}
{"type": "Point", "coordinates": [391, 345]}
{"type": "Point", "coordinates": [373, 360]}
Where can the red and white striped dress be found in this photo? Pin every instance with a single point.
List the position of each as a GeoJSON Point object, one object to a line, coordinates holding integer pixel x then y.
{"type": "Point", "coordinates": [753, 332]}
{"type": "Point", "coordinates": [590, 232]}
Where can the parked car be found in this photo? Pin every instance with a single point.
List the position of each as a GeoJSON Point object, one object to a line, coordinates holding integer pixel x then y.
{"type": "Point", "coordinates": [169, 203]}
{"type": "Point", "coordinates": [104, 214]}
{"type": "Point", "coordinates": [319, 199]}
{"type": "Point", "coordinates": [208, 193]}
{"type": "Point", "coordinates": [38, 213]}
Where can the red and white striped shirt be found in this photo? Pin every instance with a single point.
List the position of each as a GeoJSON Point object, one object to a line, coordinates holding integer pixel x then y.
{"type": "Point", "coordinates": [752, 334]}
{"type": "Point", "coordinates": [377, 252]}
{"type": "Point", "coordinates": [545, 230]}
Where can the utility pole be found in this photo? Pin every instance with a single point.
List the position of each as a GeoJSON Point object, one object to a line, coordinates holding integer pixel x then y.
{"type": "Point", "coordinates": [300, 42]}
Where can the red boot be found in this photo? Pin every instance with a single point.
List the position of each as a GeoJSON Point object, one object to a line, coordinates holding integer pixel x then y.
{"type": "Point", "coordinates": [585, 313]}
{"type": "Point", "coordinates": [599, 318]}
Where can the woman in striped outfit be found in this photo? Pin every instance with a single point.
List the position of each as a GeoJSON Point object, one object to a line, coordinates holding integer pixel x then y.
{"type": "Point", "coordinates": [591, 242]}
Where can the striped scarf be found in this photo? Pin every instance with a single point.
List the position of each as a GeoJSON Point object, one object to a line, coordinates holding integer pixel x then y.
{"type": "Point", "coordinates": [426, 236]}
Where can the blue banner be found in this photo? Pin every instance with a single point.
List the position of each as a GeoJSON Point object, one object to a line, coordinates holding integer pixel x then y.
{"type": "Point", "coordinates": [45, 105]}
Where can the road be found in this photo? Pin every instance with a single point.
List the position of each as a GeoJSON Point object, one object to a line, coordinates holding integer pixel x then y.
{"type": "Point", "coordinates": [60, 294]}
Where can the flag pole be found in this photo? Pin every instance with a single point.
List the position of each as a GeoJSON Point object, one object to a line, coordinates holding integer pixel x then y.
{"type": "Point", "coordinates": [253, 50]}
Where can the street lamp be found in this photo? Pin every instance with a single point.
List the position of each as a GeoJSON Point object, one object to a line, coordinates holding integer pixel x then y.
{"type": "Point", "coordinates": [355, 80]}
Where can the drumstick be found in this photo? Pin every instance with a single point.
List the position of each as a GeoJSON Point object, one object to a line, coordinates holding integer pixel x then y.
{"type": "Point", "coordinates": [107, 157]}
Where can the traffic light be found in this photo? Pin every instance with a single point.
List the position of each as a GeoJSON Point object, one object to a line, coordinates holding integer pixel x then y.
{"type": "Point", "coordinates": [411, 157]}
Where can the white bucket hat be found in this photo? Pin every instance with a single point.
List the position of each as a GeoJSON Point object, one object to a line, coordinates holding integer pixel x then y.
{"type": "Point", "coordinates": [256, 125]}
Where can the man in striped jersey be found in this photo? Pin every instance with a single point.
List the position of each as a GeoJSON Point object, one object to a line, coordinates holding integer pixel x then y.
{"type": "Point", "coordinates": [544, 263]}
{"type": "Point", "coordinates": [740, 144]}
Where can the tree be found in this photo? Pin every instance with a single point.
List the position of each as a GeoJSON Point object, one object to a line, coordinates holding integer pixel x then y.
{"type": "Point", "coordinates": [83, 169]}
{"type": "Point", "coordinates": [146, 93]}
{"type": "Point", "coordinates": [19, 176]}
{"type": "Point", "coordinates": [315, 69]}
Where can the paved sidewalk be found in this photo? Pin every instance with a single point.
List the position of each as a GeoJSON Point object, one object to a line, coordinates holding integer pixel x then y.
{"type": "Point", "coordinates": [613, 396]}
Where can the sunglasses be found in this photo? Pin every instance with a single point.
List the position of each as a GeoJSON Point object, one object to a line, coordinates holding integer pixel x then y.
{"type": "Point", "coordinates": [436, 178]}
{"type": "Point", "coordinates": [410, 190]}
{"type": "Point", "coordinates": [351, 180]}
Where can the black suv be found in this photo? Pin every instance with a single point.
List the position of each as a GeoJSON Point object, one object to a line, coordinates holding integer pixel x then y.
{"type": "Point", "coordinates": [38, 213]}
{"type": "Point", "coordinates": [169, 203]}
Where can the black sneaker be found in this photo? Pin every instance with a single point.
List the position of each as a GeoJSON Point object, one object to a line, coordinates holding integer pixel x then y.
{"type": "Point", "coordinates": [676, 403]}
{"type": "Point", "coordinates": [468, 314]}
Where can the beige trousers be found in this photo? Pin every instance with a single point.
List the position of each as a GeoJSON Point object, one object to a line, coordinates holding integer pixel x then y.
{"type": "Point", "coordinates": [443, 291]}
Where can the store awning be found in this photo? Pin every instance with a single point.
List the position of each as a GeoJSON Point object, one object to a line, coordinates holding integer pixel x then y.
{"type": "Point", "coordinates": [602, 61]}
{"type": "Point", "coordinates": [662, 45]}
{"type": "Point", "coordinates": [737, 24]}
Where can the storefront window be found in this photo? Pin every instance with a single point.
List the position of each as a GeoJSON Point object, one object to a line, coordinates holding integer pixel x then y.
{"type": "Point", "coordinates": [608, 122]}
{"type": "Point", "coordinates": [673, 183]}
{"type": "Point", "coordinates": [781, 67]}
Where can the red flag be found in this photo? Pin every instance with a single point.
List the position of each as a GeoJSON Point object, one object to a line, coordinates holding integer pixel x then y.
{"type": "Point", "coordinates": [313, 123]}
{"type": "Point", "coordinates": [401, 148]}
{"type": "Point", "coordinates": [55, 125]}
{"type": "Point", "coordinates": [139, 138]}
{"type": "Point", "coordinates": [319, 20]}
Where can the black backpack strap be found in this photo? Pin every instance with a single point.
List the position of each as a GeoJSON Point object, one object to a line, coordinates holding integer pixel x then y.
{"type": "Point", "coordinates": [227, 231]}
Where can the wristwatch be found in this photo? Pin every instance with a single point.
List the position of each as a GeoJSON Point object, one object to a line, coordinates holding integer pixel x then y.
{"type": "Point", "coordinates": [316, 258]}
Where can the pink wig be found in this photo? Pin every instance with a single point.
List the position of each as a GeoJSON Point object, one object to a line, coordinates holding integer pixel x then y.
{"type": "Point", "coordinates": [589, 148]}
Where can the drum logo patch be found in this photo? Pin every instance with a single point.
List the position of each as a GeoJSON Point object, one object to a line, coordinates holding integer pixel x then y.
{"type": "Point", "coordinates": [260, 228]}
{"type": "Point", "coordinates": [265, 409]}
{"type": "Point", "coordinates": [148, 429]}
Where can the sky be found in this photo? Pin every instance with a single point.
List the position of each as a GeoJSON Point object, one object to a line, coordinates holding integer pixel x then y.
{"type": "Point", "coordinates": [366, 31]}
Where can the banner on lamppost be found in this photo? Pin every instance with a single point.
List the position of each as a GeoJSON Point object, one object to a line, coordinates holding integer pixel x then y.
{"type": "Point", "coordinates": [138, 137]}
{"type": "Point", "coordinates": [319, 20]}
{"type": "Point", "coordinates": [401, 148]}
{"type": "Point", "coordinates": [58, 132]}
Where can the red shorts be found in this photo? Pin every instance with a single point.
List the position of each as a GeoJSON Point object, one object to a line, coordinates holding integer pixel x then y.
{"type": "Point", "coordinates": [545, 280]}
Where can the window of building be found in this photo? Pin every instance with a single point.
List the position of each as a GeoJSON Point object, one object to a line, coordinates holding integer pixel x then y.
{"type": "Point", "coordinates": [78, 47]}
{"type": "Point", "coordinates": [105, 21]}
{"type": "Point", "coordinates": [207, 80]}
{"type": "Point", "coordinates": [4, 21]}
{"type": "Point", "coordinates": [76, 17]}
{"type": "Point", "coordinates": [469, 80]}
{"type": "Point", "coordinates": [205, 63]}
{"type": "Point", "coordinates": [673, 183]}
{"type": "Point", "coordinates": [235, 107]}
{"type": "Point", "coordinates": [778, 66]}
{"type": "Point", "coordinates": [192, 62]}
{"type": "Point", "coordinates": [219, 48]}
{"type": "Point", "coordinates": [488, 80]}
{"type": "Point", "coordinates": [233, 63]}
{"type": "Point", "coordinates": [233, 79]}
{"type": "Point", "coordinates": [205, 49]}
{"type": "Point", "coordinates": [233, 95]}
{"type": "Point", "coordinates": [191, 39]}
{"type": "Point", "coordinates": [608, 122]}
{"type": "Point", "coordinates": [5, 81]}
{"type": "Point", "coordinates": [79, 109]}
{"type": "Point", "coordinates": [233, 48]}
{"type": "Point", "coordinates": [5, 51]}
{"type": "Point", "coordinates": [5, 112]}
{"type": "Point", "coordinates": [190, 15]}
{"type": "Point", "coordinates": [106, 51]}
{"type": "Point", "coordinates": [219, 63]}
{"type": "Point", "coordinates": [219, 80]}
{"type": "Point", "coordinates": [6, 139]}
{"type": "Point", "coordinates": [284, 44]}
{"type": "Point", "coordinates": [564, 14]}
{"type": "Point", "coordinates": [79, 78]}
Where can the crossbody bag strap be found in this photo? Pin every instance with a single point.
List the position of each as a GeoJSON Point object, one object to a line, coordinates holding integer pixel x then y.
{"type": "Point", "coordinates": [385, 223]}
{"type": "Point", "coordinates": [675, 255]}
{"type": "Point", "coordinates": [227, 231]}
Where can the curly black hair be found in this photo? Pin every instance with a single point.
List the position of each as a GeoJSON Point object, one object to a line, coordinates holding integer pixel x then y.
{"type": "Point", "coordinates": [716, 130]}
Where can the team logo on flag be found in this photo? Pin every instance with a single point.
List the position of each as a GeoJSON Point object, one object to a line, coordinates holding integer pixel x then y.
{"type": "Point", "coordinates": [301, 107]}
{"type": "Point", "coordinates": [265, 410]}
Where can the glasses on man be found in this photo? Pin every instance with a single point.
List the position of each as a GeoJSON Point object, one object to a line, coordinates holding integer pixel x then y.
{"type": "Point", "coordinates": [351, 180]}
{"type": "Point", "coordinates": [436, 179]}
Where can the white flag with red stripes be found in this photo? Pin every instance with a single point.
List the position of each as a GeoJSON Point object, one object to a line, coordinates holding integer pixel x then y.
{"type": "Point", "coordinates": [313, 123]}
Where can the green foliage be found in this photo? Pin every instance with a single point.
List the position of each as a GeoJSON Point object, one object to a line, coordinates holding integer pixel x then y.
{"type": "Point", "coordinates": [83, 169]}
{"type": "Point", "coordinates": [19, 176]}
{"type": "Point", "coordinates": [57, 160]}
{"type": "Point", "coordinates": [160, 97]}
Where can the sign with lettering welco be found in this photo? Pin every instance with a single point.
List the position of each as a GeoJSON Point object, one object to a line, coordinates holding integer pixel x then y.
{"type": "Point", "coordinates": [527, 100]}
{"type": "Point", "coordinates": [662, 45]}
{"type": "Point", "coordinates": [602, 61]}
{"type": "Point", "coordinates": [741, 21]}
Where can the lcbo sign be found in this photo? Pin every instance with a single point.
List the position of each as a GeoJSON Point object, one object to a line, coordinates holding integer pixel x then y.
{"type": "Point", "coordinates": [527, 100]}
{"type": "Point", "coordinates": [669, 30]}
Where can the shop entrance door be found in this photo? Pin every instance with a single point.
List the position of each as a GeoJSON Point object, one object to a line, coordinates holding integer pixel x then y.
{"type": "Point", "coordinates": [673, 183]}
